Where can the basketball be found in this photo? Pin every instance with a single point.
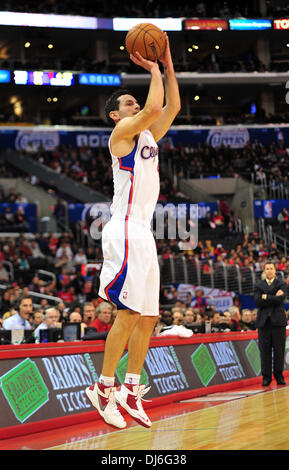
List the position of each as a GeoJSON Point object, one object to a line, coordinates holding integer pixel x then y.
{"type": "Point", "coordinates": [147, 39]}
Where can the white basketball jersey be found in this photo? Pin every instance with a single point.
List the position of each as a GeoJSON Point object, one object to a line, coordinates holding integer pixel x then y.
{"type": "Point", "coordinates": [136, 181]}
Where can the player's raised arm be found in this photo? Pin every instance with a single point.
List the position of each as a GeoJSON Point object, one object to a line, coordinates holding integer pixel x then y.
{"type": "Point", "coordinates": [132, 125]}
{"type": "Point", "coordinates": [172, 95]}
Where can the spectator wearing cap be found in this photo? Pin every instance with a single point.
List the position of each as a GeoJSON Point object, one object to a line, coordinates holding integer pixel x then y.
{"type": "Point", "coordinates": [103, 321]}
{"type": "Point", "coordinates": [220, 251]}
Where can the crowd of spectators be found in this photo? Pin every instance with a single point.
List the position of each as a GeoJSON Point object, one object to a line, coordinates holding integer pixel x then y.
{"type": "Point", "coordinates": [19, 311]}
{"type": "Point", "coordinates": [77, 289]}
{"type": "Point", "coordinates": [182, 318]}
{"type": "Point", "coordinates": [204, 320]}
{"type": "Point", "coordinates": [153, 8]}
{"type": "Point", "coordinates": [91, 166]}
{"type": "Point", "coordinates": [270, 161]}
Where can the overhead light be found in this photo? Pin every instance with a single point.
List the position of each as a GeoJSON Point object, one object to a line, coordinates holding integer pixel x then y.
{"type": "Point", "coordinates": [49, 100]}
{"type": "Point", "coordinates": [190, 49]}
{"type": "Point", "coordinates": [27, 44]}
{"type": "Point", "coordinates": [55, 99]}
{"type": "Point", "coordinates": [196, 98]}
{"type": "Point", "coordinates": [50, 46]}
{"type": "Point", "coordinates": [17, 105]}
{"type": "Point", "coordinates": [121, 48]}
{"type": "Point", "coordinates": [195, 46]}
{"type": "Point", "coordinates": [217, 47]}
{"type": "Point", "coordinates": [219, 98]}
{"type": "Point", "coordinates": [219, 28]}
{"type": "Point", "coordinates": [287, 45]}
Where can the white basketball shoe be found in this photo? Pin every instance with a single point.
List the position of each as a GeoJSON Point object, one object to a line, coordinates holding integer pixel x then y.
{"type": "Point", "coordinates": [103, 399]}
{"type": "Point", "coordinates": [130, 398]}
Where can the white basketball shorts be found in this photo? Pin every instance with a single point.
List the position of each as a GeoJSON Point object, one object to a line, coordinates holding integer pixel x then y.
{"type": "Point", "coordinates": [130, 276]}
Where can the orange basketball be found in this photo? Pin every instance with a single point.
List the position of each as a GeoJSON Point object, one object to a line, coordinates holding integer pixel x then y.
{"type": "Point", "coordinates": [147, 39]}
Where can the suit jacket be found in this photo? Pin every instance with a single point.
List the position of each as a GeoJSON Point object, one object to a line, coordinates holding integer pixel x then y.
{"type": "Point", "coordinates": [273, 306]}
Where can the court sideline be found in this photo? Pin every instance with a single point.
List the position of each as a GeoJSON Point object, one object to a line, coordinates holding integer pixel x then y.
{"type": "Point", "coordinates": [252, 418]}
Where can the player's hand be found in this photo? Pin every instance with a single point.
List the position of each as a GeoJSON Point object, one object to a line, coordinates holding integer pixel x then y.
{"type": "Point", "coordinates": [279, 292]}
{"type": "Point", "coordinates": [166, 57]}
{"type": "Point", "coordinates": [148, 65]}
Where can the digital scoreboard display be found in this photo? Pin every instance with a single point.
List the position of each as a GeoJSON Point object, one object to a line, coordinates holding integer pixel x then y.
{"type": "Point", "coordinates": [24, 77]}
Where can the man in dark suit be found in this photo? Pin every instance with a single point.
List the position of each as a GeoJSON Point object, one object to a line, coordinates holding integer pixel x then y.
{"type": "Point", "coordinates": [269, 295]}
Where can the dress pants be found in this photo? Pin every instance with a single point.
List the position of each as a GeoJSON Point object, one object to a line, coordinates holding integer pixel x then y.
{"type": "Point", "coordinates": [272, 340]}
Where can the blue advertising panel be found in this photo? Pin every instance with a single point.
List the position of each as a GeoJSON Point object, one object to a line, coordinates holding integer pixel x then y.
{"type": "Point", "coordinates": [99, 79]}
{"type": "Point", "coordinates": [25, 138]}
{"type": "Point", "coordinates": [5, 76]}
{"type": "Point", "coordinates": [269, 208]}
{"type": "Point", "coordinates": [242, 24]}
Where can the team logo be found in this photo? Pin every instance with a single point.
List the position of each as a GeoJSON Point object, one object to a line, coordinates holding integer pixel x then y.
{"type": "Point", "coordinates": [31, 141]}
{"type": "Point", "coordinates": [235, 138]}
{"type": "Point", "coordinates": [149, 152]}
{"type": "Point", "coordinates": [124, 295]}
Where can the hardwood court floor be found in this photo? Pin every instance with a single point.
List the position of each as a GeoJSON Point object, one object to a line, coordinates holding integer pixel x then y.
{"type": "Point", "coordinates": [253, 418]}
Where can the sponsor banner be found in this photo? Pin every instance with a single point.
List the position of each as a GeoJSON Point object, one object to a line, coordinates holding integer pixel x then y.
{"type": "Point", "coordinates": [41, 388]}
{"type": "Point", "coordinates": [242, 24]}
{"type": "Point", "coordinates": [282, 23]}
{"type": "Point", "coordinates": [206, 24]}
{"type": "Point", "coordinates": [39, 20]}
{"type": "Point", "coordinates": [99, 79]}
{"type": "Point", "coordinates": [29, 139]}
{"type": "Point", "coordinates": [269, 208]}
{"type": "Point", "coordinates": [222, 300]}
{"type": "Point", "coordinates": [233, 137]}
{"type": "Point", "coordinates": [166, 24]}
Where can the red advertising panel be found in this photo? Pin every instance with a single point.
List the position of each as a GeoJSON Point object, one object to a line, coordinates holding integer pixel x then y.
{"type": "Point", "coordinates": [204, 24]}
{"type": "Point", "coordinates": [282, 23]}
{"type": "Point", "coordinates": [42, 385]}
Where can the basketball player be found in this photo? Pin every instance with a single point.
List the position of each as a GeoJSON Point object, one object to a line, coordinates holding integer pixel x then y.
{"type": "Point", "coordinates": [130, 272]}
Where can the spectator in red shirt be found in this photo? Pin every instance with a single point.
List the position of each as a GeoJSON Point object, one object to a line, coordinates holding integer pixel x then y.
{"type": "Point", "coordinates": [282, 265]}
{"type": "Point", "coordinates": [104, 316]}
